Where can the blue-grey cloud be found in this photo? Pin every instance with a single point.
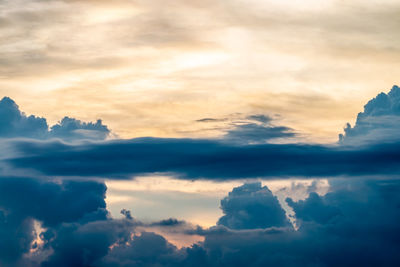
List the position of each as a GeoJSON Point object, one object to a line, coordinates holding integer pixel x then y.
{"type": "Point", "coordinates": [193, 159]}
{"type": "Point", "coordinates": [379, 122]}
{"type": "Point", "coordinates": [169, 222]}
{"type": "Point", "coordinates": [72, 129]}
{"type": "Point", "coordinates": [254, 133]}
{"type": "Point", "coordinates": [356, 217]}
{"type": "Point", "coordinates": [252, 206]}
{"type": "Point", "coordinates": [207, 159]}
{"type": "Point", "coordinates": [77, 244]}
{"type": "Point", "coordinates": [148, 249]}
{"type": "Point", "coordinates": [14, 123]}
{"type": "Point", "coordinates": [23, 200]}
{"type": "Point", "coordinates": [358, 222]}
{"type": "Point", "coordinates": [251, 129]}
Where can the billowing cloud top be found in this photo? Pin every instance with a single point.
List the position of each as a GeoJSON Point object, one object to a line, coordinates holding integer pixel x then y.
{"type": "Point", "coordinates": [379, 122]}
{"type": "Point", "coordinates": [14, 123]}
{"type": "Point", "coordinates": [252, 206]}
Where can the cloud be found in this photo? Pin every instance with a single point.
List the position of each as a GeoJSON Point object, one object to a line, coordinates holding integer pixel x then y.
{"type": "Point", "coordinates": [241, 153]}
{"type": "Point", "coordinates": [356, 217]}
{"type": "Point", "coordinates": [379, 122]}
{"type": "Point", "coordinates": [257, 129]}
{"type": "Point", "coordinates": [70, 200]}
{"type": "Point", "coordinates": [72, 129]}
{"type": "Point", "coordinates": [218, 159]}
{"type": "Point", "coordinates": [14, 123]}
{"type": "Point", "coordinates": [23, 200]}
{"type": "Point", "coordinates": [169, 222]}
{"type": "Point", "coordinates": [257, 133]}
{"type": "Point", "coordinates": [146, 249]}
{"type": "Point", "coordinates": [193, 159]}
{"type": "Point", "coordinates": [86, 244]}
{"type": "Point", "coordinates": [252, 206]}
{"type": "Point", "coordinates": [251, 129]}
{"type": "Point", "coordinates": [359, 223]}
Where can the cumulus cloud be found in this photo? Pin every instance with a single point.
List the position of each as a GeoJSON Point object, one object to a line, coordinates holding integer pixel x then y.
{"type": "Point", "coordinates": [23, 200]}
{"type": "Point", "coordinates": [358, 222]}
{"type": "Point", "coordinates": [146, 249]}
{"type": "Point", "coordinates": [252, 206]}
{"type": "Point", "coordinates": [14, 123]}
{"type": "Point", "coordinates": [72, 129]}
{"type": "Point", "coordinates": [379, 122]}
{"type": "Point", "coordinates": [356, 217]}
{"type": "Point", "coordinates": [75, 227]}
{"type": "Point", "coordinates": [86, 244]}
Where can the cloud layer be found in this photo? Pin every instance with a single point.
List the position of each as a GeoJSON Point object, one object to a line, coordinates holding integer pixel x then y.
{"type": "Point", "coordinates": [64, 221]}
{"type": "Point", "coordinates": [356, 217]}
{"type": "Point", "coordinates": [191, 159]}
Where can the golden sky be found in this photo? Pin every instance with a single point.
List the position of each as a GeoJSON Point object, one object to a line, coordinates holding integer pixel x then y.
{"type": "Point", "coordinates": [154, 67]}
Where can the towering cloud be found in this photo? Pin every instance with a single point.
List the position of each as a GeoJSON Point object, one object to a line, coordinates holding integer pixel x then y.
{"type": "Point", "coordinates": [379, 122]}
{"type": "Point", "coordinates": [252, 206]}
{"type": "Point", "coordinates": [14, 123]}
{"type": "Point", "coordinates": [357, 220]}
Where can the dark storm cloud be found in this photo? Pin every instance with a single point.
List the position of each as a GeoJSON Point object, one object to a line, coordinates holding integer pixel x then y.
{"type": "Point", "coordinates": [363, 230]}
{"type": "Point", "coordinates": [252, 206]}
{"type": "Point", "coordinates": [357, 220]}
{"type": "Point", "coordinates": [70, 200]}
{"type": "Point", "coordinates": [76, 229]}
{"type": "Point", "coordinates": [14, 123]}
{"type": "Point", "coordinates": [148, 249]}
{"type": "Point", "coordinates": [358, 227]}
{"type": "Point", "coordinates": [206, 159]}
{"type": "Point", "coordinates": [23, 200]}
{"type": "Point", "coordinates": [85, 244]}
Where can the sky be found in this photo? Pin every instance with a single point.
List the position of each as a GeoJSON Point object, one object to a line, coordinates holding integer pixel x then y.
{"type": "Point", "coordinates": [199, 133]}
{"type": "Point", "coordinates": [151, 68]}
